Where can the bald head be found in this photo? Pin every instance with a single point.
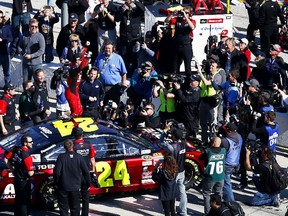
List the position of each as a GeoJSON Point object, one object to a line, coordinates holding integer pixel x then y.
{"type": "Point", "coordinates": [216, 142]}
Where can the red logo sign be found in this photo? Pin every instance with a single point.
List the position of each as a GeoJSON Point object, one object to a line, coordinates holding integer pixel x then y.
{"type": "Point", "coordinates": [215, 20]}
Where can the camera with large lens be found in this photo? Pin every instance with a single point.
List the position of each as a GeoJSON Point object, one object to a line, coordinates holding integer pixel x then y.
{"type": "Point", "coordinates": [178, 78]}
{"type": "Point", "coordinates": [174, 125]}
{"type": "Point", "coordinates": [256, 148]}
{"type": "Point", "coordinates": [143, 70]}
{"type": "Point", "coordinates": [62, 73]}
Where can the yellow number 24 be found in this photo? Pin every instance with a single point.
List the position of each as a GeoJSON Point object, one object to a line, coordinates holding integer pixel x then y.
{"type": "Point", "coordinates": [120, 173]}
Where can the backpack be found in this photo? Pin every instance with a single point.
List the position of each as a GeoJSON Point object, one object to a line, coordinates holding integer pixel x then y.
{"type": "Point", "coordinates": [279, 177]}
{"type": "Point", "coordinates": [234, 208]}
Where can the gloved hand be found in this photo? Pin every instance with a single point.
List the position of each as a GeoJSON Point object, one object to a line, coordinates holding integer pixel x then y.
{"type": "Point", "coordinates": [94, 180]}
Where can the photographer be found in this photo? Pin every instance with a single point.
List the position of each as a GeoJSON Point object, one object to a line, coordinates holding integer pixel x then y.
{"type": "Point", "coordinates": [184, 25]}
{"type": "Point", "coordinates": [130, 31]}
{"type": "Point", "coordinates": [141, 84]}
{"type": "Point", "coordinates": [210, 98]}
{"type": "Point", "coordinates": [269, 132]}
{"type": "Point", "coordinates": [232, 143]}
{"type": "Point", "coordinates": [145, 115]}
{"type": "Point", "coordinates": [187, 111]}
{"type": "Point", "coordinates": [165, 91]}
{"type": "Point", "coordinates": [178, 149]}
{"type": "Point", "coordinates": [231, 93]}
{"type": "Point", "coordinates": [265, 194]}
{"type": "Point", "coordinates": [47, 18]}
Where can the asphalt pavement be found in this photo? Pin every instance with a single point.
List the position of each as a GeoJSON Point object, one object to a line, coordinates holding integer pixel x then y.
{"type": "Point", "coordinates": [147, 203]}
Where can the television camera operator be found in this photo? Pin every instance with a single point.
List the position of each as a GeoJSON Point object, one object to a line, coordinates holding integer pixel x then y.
{"type": "Point", "coordinates": [146, 115]}
{"type": "Point", "coordinates": [142, 83]}
{"type": "Point", "coordinates": [187, 111]}
{"type": "Point", "coordinates": [183, 36]}
{"type": "Point", "coordinates": [261, 177]}
{"type": "Point", "coordinates": [178, 149]}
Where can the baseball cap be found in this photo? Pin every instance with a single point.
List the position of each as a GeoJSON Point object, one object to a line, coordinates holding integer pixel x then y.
{"type": "Point", "coordinates": [275, 47]}
{"type": "Point", "coordinates": [214, 58]}
{"type": "Point", "coordinates": [148, 64]}
{"type": "Point", "coordinates": [231, 127]}
{"type": "Point", "coordinates": [149, 34]}
{"type": "Point", "coordinates": [195, 77]}
{"type": "Point", "coordinates": [9, 86]}
{"type": "Point", "coordinates": [73, 16]}
{"type": "Point", "coordinates": [244, 40]}
{"type": "Point", "coordinates": [224, 33]}
{"type": "Point", "coordinates": [252, 82]}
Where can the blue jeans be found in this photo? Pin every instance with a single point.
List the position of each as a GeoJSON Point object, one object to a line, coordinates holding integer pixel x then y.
{"type": "Point", "coordinates": [17, 20]}
{"type": "Point", "coordinates": [227, 189]}
{"type": "Point", "coordinates": [51, 2]}
{"type": "Point", "coordinates": [264, 199]}
{"type": "Point", "coordinates": [5, 62]}
{"type": "Point", "coordinates": [182, 208]}
{"type": "Point", "coordinates": [29, 70]}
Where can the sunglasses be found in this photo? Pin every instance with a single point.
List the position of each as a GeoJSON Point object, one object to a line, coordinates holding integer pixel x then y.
{"type": "Point", "coordinates": [73, 20]}
{"type": "Point", "coordinates": [147, 108]}
{"type": "Point", "coordinates": [33, 26]}
{"type": "Point", "coordinates": [74, 41]}
{"type": "Point", "coordinates": [29, 141]}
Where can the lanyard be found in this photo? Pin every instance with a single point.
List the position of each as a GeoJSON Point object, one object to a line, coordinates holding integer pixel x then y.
{"type": "Point", "coordinates": [105, 63]}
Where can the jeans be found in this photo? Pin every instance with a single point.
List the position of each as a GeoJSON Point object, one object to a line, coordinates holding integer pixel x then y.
{"type": "Point", "coordinates": [29, 70]}
{"type": "Point", "coordinates": [22, 19]}
{"type": "Point", "coordinates": [264, 199]}
{"type": "Point", "coordinates": [5, 62]}
{"type": "Point", "coordinates": [208, 188]}
{"type": "Point", "coordinates": [51, 2]}
{"type": "Point", "coordinates": [227, 189]}
{"type": "Point", "coordinates": [182, 208]}
{"type": "Point", "coordinates": [104, 35]}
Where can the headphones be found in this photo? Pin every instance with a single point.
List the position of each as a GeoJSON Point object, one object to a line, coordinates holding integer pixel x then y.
{"type": "Point", "coordinates": [108, 42]}
{"type": "Point", "coordinates": [90, 68]}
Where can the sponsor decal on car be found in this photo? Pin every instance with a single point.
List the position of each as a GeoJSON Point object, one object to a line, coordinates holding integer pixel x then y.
{"type": "Point", "coordinates": [147, 157]}
{"type": "Point", "coordinates": [146, 163]}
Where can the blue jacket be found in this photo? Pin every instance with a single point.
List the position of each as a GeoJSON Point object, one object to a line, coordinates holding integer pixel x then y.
{"type": "Point", "coordinates": [143, 85]}
{"type": "Point", "coordinates": [6, 36]}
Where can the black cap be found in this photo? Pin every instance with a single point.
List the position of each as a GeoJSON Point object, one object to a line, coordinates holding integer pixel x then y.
{"type": "Point", "coordinates": [9, 86]}
{"type": "Point", "coordinates": [73, 16]}
{"type": "Point", "coordinates": [232, 127]}
{"type": "Point", "coordinates": [195, 77]}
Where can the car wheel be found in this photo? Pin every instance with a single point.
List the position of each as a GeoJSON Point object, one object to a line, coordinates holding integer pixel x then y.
{"type": "Point", "coordinates": [47, 196]}
{"type": "Point", "coordinates": [192, 174]}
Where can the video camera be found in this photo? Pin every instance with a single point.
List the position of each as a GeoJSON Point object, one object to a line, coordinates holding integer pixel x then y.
{"type": "Point", "coordinates": [174, 125]}
{"type": "Point", "coordinates": [62, 73]}
{"type": "Point", "coordinates": [256, 148]}
{"type": "Point", "coordinates": [178, 78]}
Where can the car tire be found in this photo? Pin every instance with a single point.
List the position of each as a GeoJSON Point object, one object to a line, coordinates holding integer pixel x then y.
{"type": "Point", "coordinates": [47, 196]}
{"type": "Point", "coordinates": [192, 174]}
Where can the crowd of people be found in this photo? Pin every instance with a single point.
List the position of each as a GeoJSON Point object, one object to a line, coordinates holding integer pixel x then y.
{"type": "Point", "coordinates": [222, 102]}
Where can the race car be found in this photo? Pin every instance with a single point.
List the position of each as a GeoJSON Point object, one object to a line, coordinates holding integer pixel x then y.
{"type": "Point", "coordinates": [124, 160]}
